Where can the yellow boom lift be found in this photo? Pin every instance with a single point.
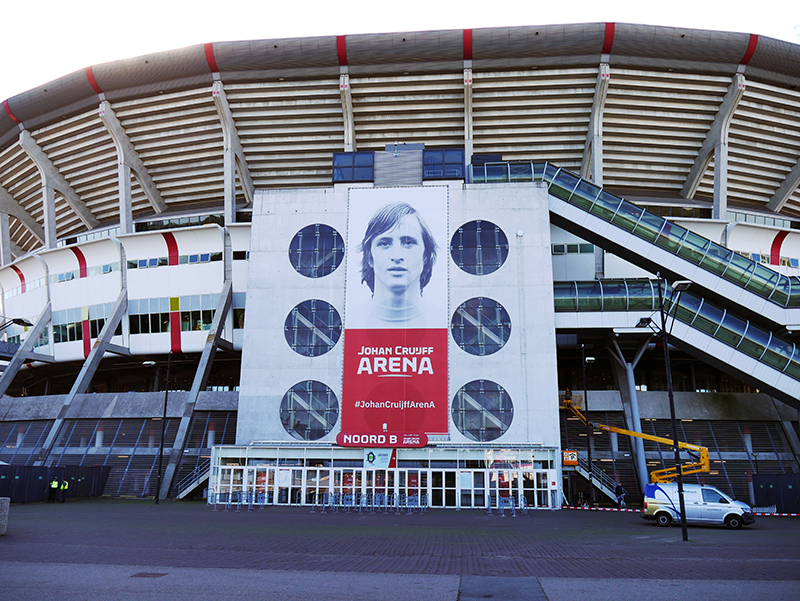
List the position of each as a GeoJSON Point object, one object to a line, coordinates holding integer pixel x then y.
{"type": "Point", "coordinates": [701, 463]}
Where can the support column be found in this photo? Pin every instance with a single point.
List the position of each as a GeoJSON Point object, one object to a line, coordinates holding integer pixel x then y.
{"type": "Point", "coordinates": [468, 126]}
{"type": "Point", "coordinates": [347, 112]}
{"type": "Point", "coordinates": [592, 162]}
{"type": "Point", "coordinates": [49, 217]}
{"type": "Point", "coordinates": [633, 399]}
{"type": "Point", "coordinates": [5, 240]}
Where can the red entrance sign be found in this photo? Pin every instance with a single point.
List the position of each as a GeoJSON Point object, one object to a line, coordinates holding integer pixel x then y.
{"type": "Point", "coordinates": [349, 439]}
{"type": "Point", "coordinates": [395, 381]}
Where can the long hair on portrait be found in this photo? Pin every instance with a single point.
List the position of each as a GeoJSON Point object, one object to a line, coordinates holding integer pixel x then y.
{"type": "Point", "coordinates": [384, 220]}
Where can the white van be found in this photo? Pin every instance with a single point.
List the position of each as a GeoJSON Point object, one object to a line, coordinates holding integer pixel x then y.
{"type": "Point", "coordinates": [704, 505]}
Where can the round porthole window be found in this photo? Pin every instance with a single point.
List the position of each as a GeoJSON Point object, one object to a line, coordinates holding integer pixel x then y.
{"type": "Point", "coordinates": [482, 410]}
{"type": "Point", "coordinates": [309, 410]}
{"type": "Point", "coordinates": [312, 328]}
{"type": "Point", "coordinates": [479, 247]}
{"type": "Point", "coordinates": [316, 250]}
{"type": "Point", "coordinates": [480, 326]}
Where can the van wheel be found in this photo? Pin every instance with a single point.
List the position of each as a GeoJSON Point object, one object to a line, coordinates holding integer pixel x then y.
{"type": "Point", "coordinates": [663, 519]}
{"type": "Point", "coordinates": [734, 522]}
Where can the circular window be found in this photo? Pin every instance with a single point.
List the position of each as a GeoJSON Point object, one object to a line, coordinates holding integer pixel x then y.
{"type": "Point", "coordinates": [309, 410]}
{"type": "Point", "coordinates": [479, 247]}
{"type": "Point", "coordinates": [482, 410]}
{"type": "Point", "coordinates": [480, 326]}
{"type": "Point", "coordinates": [316, 250]}
{"type": "Point", "coordinates": [312, 328]}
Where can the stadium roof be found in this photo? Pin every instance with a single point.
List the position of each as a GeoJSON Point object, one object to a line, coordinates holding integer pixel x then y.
{"type": "Point", "coordinates": [286, 105]}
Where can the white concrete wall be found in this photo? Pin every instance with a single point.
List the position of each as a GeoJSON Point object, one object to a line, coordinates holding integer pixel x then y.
{"type": "Point", "coordinates": [525, 366]}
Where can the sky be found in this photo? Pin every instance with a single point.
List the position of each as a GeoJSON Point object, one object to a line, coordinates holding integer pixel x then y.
{"type": "Point", "coordinates": [48, 39]}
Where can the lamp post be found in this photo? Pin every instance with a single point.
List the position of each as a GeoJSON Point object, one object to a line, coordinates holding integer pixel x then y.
{"type": "Point", "coordinates": [163, 427]}
{"type": "Point", "coordinates": [676, 287]}
{"type": "Point", "coordinates": [584, 361]}
{"type": "Point", "coordinates": [14, 321]}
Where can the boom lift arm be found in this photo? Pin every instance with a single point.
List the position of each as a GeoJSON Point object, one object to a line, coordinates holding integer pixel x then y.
{"type": "Point", "coordinates": [698, 453]}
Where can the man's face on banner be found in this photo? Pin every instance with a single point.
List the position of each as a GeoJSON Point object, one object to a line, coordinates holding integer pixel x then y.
{"type": "Point", "coordinates": [398, 256]}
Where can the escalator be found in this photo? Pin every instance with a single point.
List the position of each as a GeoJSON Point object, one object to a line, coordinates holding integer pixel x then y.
{"type": "Point", "coordinates": [718, 336]}
{"type": "Point", "coordinates": [657, 245]}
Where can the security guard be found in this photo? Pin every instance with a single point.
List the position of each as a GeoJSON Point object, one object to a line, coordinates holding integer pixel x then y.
{"type": "Point", "coordinates": [64, 487]}
{"type": "Point", "coordinates": [51, 493]}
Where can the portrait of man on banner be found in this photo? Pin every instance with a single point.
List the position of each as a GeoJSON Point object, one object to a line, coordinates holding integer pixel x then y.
{"type": "Point", "coordinates": [395, 283]}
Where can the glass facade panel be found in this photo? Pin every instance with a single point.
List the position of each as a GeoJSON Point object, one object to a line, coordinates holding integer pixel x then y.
{"type": "Point", "coordinates": [731, 330]}
{"type": "Point", "coordinates": [754, 342]}
{"type": "Point", "coordinates": [589, 296]}
{"type": "Point", "coordinates": [565, 297]}
{"type": "Point", "coordinates": [316, 250]}
{"type": "Point", "coordinates": [482, 410]}
{"type": "Point", "coordinates": [563, 184]}
{"type": "Point", "coordinates": [693, 248]}
{"type": "Point", "coordinates": [627, 216]}
{"type": "Point", "coordinates": [641, 296]}
{"type": "Point", "coordinates": [479, 247]}
{"type": "Point", "coordinates": [763, 281]}
{"type": "Point", "coordinates": [615, 295]}
{"type": "Point", "coordinates": [312, 328]}
{"type": "Point", "coordinates": [606, 205]}
{"type": "Point", "coordinates": [585, 194]}
{"type": "Point", "coordinates": [309, 410]}
{"type": "Point", "coordinates": [649, 226]}
{"type": "Point", "coordinates": [480, 326]}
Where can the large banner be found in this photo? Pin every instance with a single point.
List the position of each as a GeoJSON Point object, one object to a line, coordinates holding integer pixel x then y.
{"type": "Point", "coordinates": [395, 345]}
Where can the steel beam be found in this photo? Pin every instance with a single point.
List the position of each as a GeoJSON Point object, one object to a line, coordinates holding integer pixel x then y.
{"type": "Point", "coordinates": [233, 155]}
{"type": "Point", "coordinates": [128, 160]}
{"type": "Point", "coordinates": [786, 189]}
{"type": "Point", "coordinates": [347, 113]}
{"type": "Point", "coordinates": [716, 142]}
{"type": "Point", "coordinates": [213, 341]}
{"type": "Point", "coordinates": [25, 349]}
{"type": "Point", "coordinates": [592, 161]}
{"type": "Point", "coordinates": [53, 181]}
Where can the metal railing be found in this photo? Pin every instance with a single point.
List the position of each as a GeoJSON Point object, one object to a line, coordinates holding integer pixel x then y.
{"type": "Point", "coordinates": [193, 476]}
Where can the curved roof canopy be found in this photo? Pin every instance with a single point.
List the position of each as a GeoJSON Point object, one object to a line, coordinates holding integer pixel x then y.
{"type": "Point", "coordinates": [284, 106]}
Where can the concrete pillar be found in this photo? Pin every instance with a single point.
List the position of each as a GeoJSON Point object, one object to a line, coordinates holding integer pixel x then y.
{"type": "Point", "coordinates": [49, 206]}
{"type": "Point", "coordinates": [5, 239]}
{"type": "Point", "coordinates": [636, 426]}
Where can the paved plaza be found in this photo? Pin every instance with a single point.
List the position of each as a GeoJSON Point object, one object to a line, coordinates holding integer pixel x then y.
{"type": "Point", "coordinates": [128, 549]}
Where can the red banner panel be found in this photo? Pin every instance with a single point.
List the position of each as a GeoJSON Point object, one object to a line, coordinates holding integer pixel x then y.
{"type": "Point", "coordinates": [395, 382]}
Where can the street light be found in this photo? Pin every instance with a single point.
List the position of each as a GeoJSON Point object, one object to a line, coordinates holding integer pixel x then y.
{"type": "Point", "coordinates": [584, 361]}
{"type": "Point", "coordinates": [678, 287]}
{"type": "Point", "coordinates": [163, 425]}
{"type": "Point", "coordinates": [18, 321]}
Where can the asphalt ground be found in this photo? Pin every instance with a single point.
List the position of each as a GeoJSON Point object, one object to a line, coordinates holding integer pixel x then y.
{"type": "Point", "coordinates": [130, 549]}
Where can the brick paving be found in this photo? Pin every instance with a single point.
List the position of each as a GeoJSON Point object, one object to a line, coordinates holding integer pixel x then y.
{"type": "Point", "coordinates": [556, 544]}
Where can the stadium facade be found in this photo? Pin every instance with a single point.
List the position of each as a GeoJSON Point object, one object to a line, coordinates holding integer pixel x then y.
{"type": "Point", "coordinates": [375, 264]}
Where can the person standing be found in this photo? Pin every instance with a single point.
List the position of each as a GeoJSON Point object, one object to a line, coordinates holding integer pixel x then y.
{"type": "Point", "coordinates": [620, 493]}
{"type": "Point", "coordinates": [64, 487]}
{"type": "Point", "coordinates": [53, 490]}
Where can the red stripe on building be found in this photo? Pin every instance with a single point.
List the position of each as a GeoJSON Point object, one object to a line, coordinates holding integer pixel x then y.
{"type": "Point", "coordinates": [21, 277]}
{"type": "Point", "coordinates": [751, 49]}
{"type": "Point", "coordinates": [467, 44]}
{"type": "Point", "coordinates": [81, 260]}
{"type": "Point", "coordinates": [93, 81]}
{"type": "Point", "coordinates": [172, 247]}
{"type": "Point", "coordinates": [175, 331]}
{"type": "Point", "coordinates": [212, 62]}
{"type": "Point", "coordinates": [9, 113]}
{"type": "Point", "coordinates": [341, 50]}
{"type": "Point", "coordinates": [87, 340]}
{"type": "Point", "coordinates": [775, 251]}
{"type": "Point", "coordinates": [609, 41]}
